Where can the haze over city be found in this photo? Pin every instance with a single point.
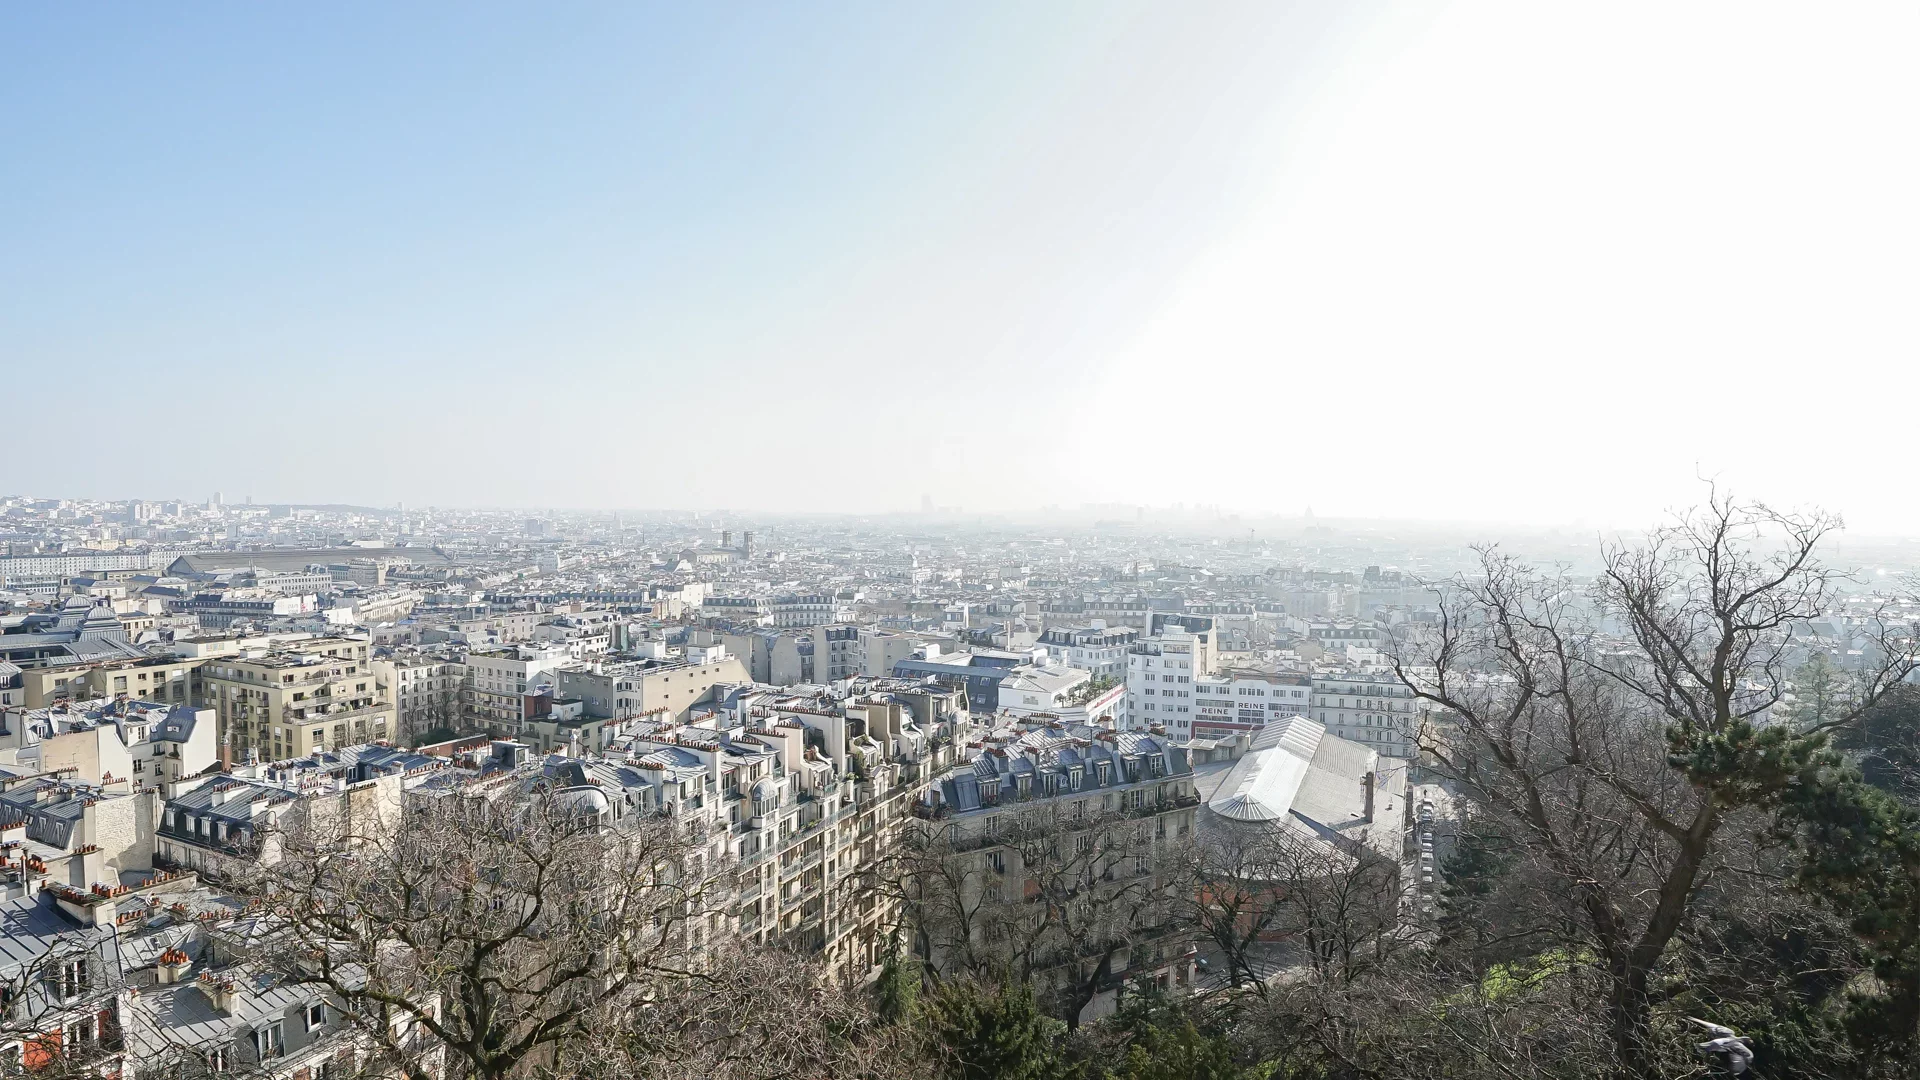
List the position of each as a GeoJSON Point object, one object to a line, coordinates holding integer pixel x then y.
{"type": "Point", "coordinates": [1347, 257]}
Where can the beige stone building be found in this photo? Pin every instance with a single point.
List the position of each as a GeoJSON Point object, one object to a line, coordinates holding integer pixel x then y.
{"type": "Point", "coordinates": [425, 691]}
{"type": "Point", "coordinates": [168, 680]}
{"type": "Point", "coordinates": [320, 693]}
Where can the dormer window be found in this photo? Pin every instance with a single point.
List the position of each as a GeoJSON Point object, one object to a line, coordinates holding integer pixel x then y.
{"type": "Point", "coordinates": [71, 978]}
{"type": "Point", "coordinates": [269, 1041]}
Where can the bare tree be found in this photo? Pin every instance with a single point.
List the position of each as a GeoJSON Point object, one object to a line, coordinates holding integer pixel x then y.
{"type": "Point", "coordinates": [1227, 890]}
{"type": "Point", "coordinates": [1062, 900]}
{"type": "Point", "coordinates": [1099, 894]}
{"type": "Point", "coordinates": [753, 1014]}
{"type": "Point", "coordinates": [499, 928]}
{"type": "Point", "coordinates": [1242, 884]}
{"type": "Point", "coordinates": [1342, 907]}
{"type": "Point", "coordinates": [1621, 728]}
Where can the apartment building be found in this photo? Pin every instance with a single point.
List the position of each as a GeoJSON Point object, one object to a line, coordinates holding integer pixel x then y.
{"type": "Point", "coordinates": [1242, 700]}
{"type": "Point", "coordinates": [1335, 637]}
{"type": "Point", "coordinates": [626, 688]}
{"type": "Point", "coordinates": [745, 610]}
{"type": "Point", "coordinates": [218, 827]}
{"type": "Point", "coordinates": [1065, 694]}
{"type": "Point", "coordinates": [787, 657]}
{"type": "Point", "coordinates": [1375, 710]}
{"type": "Point", "coordinates": [808, 609]}
{"type": "Point", "coordinates": [495, 629]}
{"type": "Point", "coordinates": [837, 652]}
{"type": "Point", "coordinates": [816, 792]}
{"type": "Point", "coordinates": [163, 679]}
{"type": "Point", "coordinates": [217, 611]}
{"type": "Point", "coordinates": [112, 741]}
{"type": "Point", "coordinates": [68, 563]}
{"type": "Point", "coordinates": [804, 796]}
{"type": "Point", "coordinates": [978, 672]}
{"type": "Point", "coordinates": [318, 693]}
{"type": "Point", "coordinates": [1067, 815]}
{"type": "Point", "coordinates": [494, 693]}
{"type": "Point", "coordinates": [1099, 648]}
{"type": "Point", "coordinates": [58, 828]}
{"type": "Point", "coordinates": [425, 688]}
{"type": "Point", "coordinates": [881, 649]}
{"type": "Point", "coordinates": [1160, 673]}
{"type": "Point", "coordinates": [583, 634]}
{"type": "Point", "coordinates": [772, 657]}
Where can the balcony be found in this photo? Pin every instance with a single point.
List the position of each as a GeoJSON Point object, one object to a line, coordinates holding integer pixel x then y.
{"type": "Point", "coordinates": [332, 714]}
{"type": "Point", "coordinates": [810, 892]}
{"type": "Point", "coordinates": [804, 862]}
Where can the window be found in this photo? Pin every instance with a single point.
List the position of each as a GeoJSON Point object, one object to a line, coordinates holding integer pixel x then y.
{"type": "Point", "coordinates": [268, 1041]}
{"type": "Point", "coordinates": [316, 1016]}
{"type": "Point", "coordinates": [220, 1059]}
{"type": "Point", "coordinates": [72, 977]}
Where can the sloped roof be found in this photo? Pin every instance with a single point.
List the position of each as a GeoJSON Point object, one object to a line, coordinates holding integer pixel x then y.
{"type": "Point", "coordinates": [1263, 783]}
{"type": "Point", "coordinates": [289, 559]}
{"type": "Point", "coordinates": [1298, 777]}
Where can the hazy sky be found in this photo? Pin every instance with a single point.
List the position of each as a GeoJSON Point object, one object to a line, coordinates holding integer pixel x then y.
{"type": "Point", "coordinates": [1498, 261]}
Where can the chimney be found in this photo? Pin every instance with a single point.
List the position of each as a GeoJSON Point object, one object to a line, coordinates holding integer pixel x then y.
{"type": "Point", "coordinates": [226, 755]}
{"type": "Point", "coordinates": [173, 966]}
{"type": "Point", "coordinates": [222, 992]}
{"type": "Point", "coordinates": [1368, 781]}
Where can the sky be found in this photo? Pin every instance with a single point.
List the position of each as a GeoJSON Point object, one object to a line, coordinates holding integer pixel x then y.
{"type": "Point", "coordinates": [1520, 262]}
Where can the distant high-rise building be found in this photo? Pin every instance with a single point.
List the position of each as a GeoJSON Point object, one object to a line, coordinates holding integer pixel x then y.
{"type": "Point", "coordinates": [926, 504]}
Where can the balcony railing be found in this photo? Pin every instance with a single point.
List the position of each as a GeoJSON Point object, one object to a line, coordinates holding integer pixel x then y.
{"type": "Point", "coordinates": [323, 714]}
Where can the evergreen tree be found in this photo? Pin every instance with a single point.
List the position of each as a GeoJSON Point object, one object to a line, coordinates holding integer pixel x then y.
{"type": "Point", "coordinates": [1183, 1052]}
{"type": "Point", "coordinates": [994, 1033]}
{"type": "Point", "coordinates": [1862, 858]}
{"type": "Point", "coordinates": [1469, 877]}
{"type": "Point", "coordinates": [1886, 743]}
{"type": "Point", "coordinates": [897, 991]}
